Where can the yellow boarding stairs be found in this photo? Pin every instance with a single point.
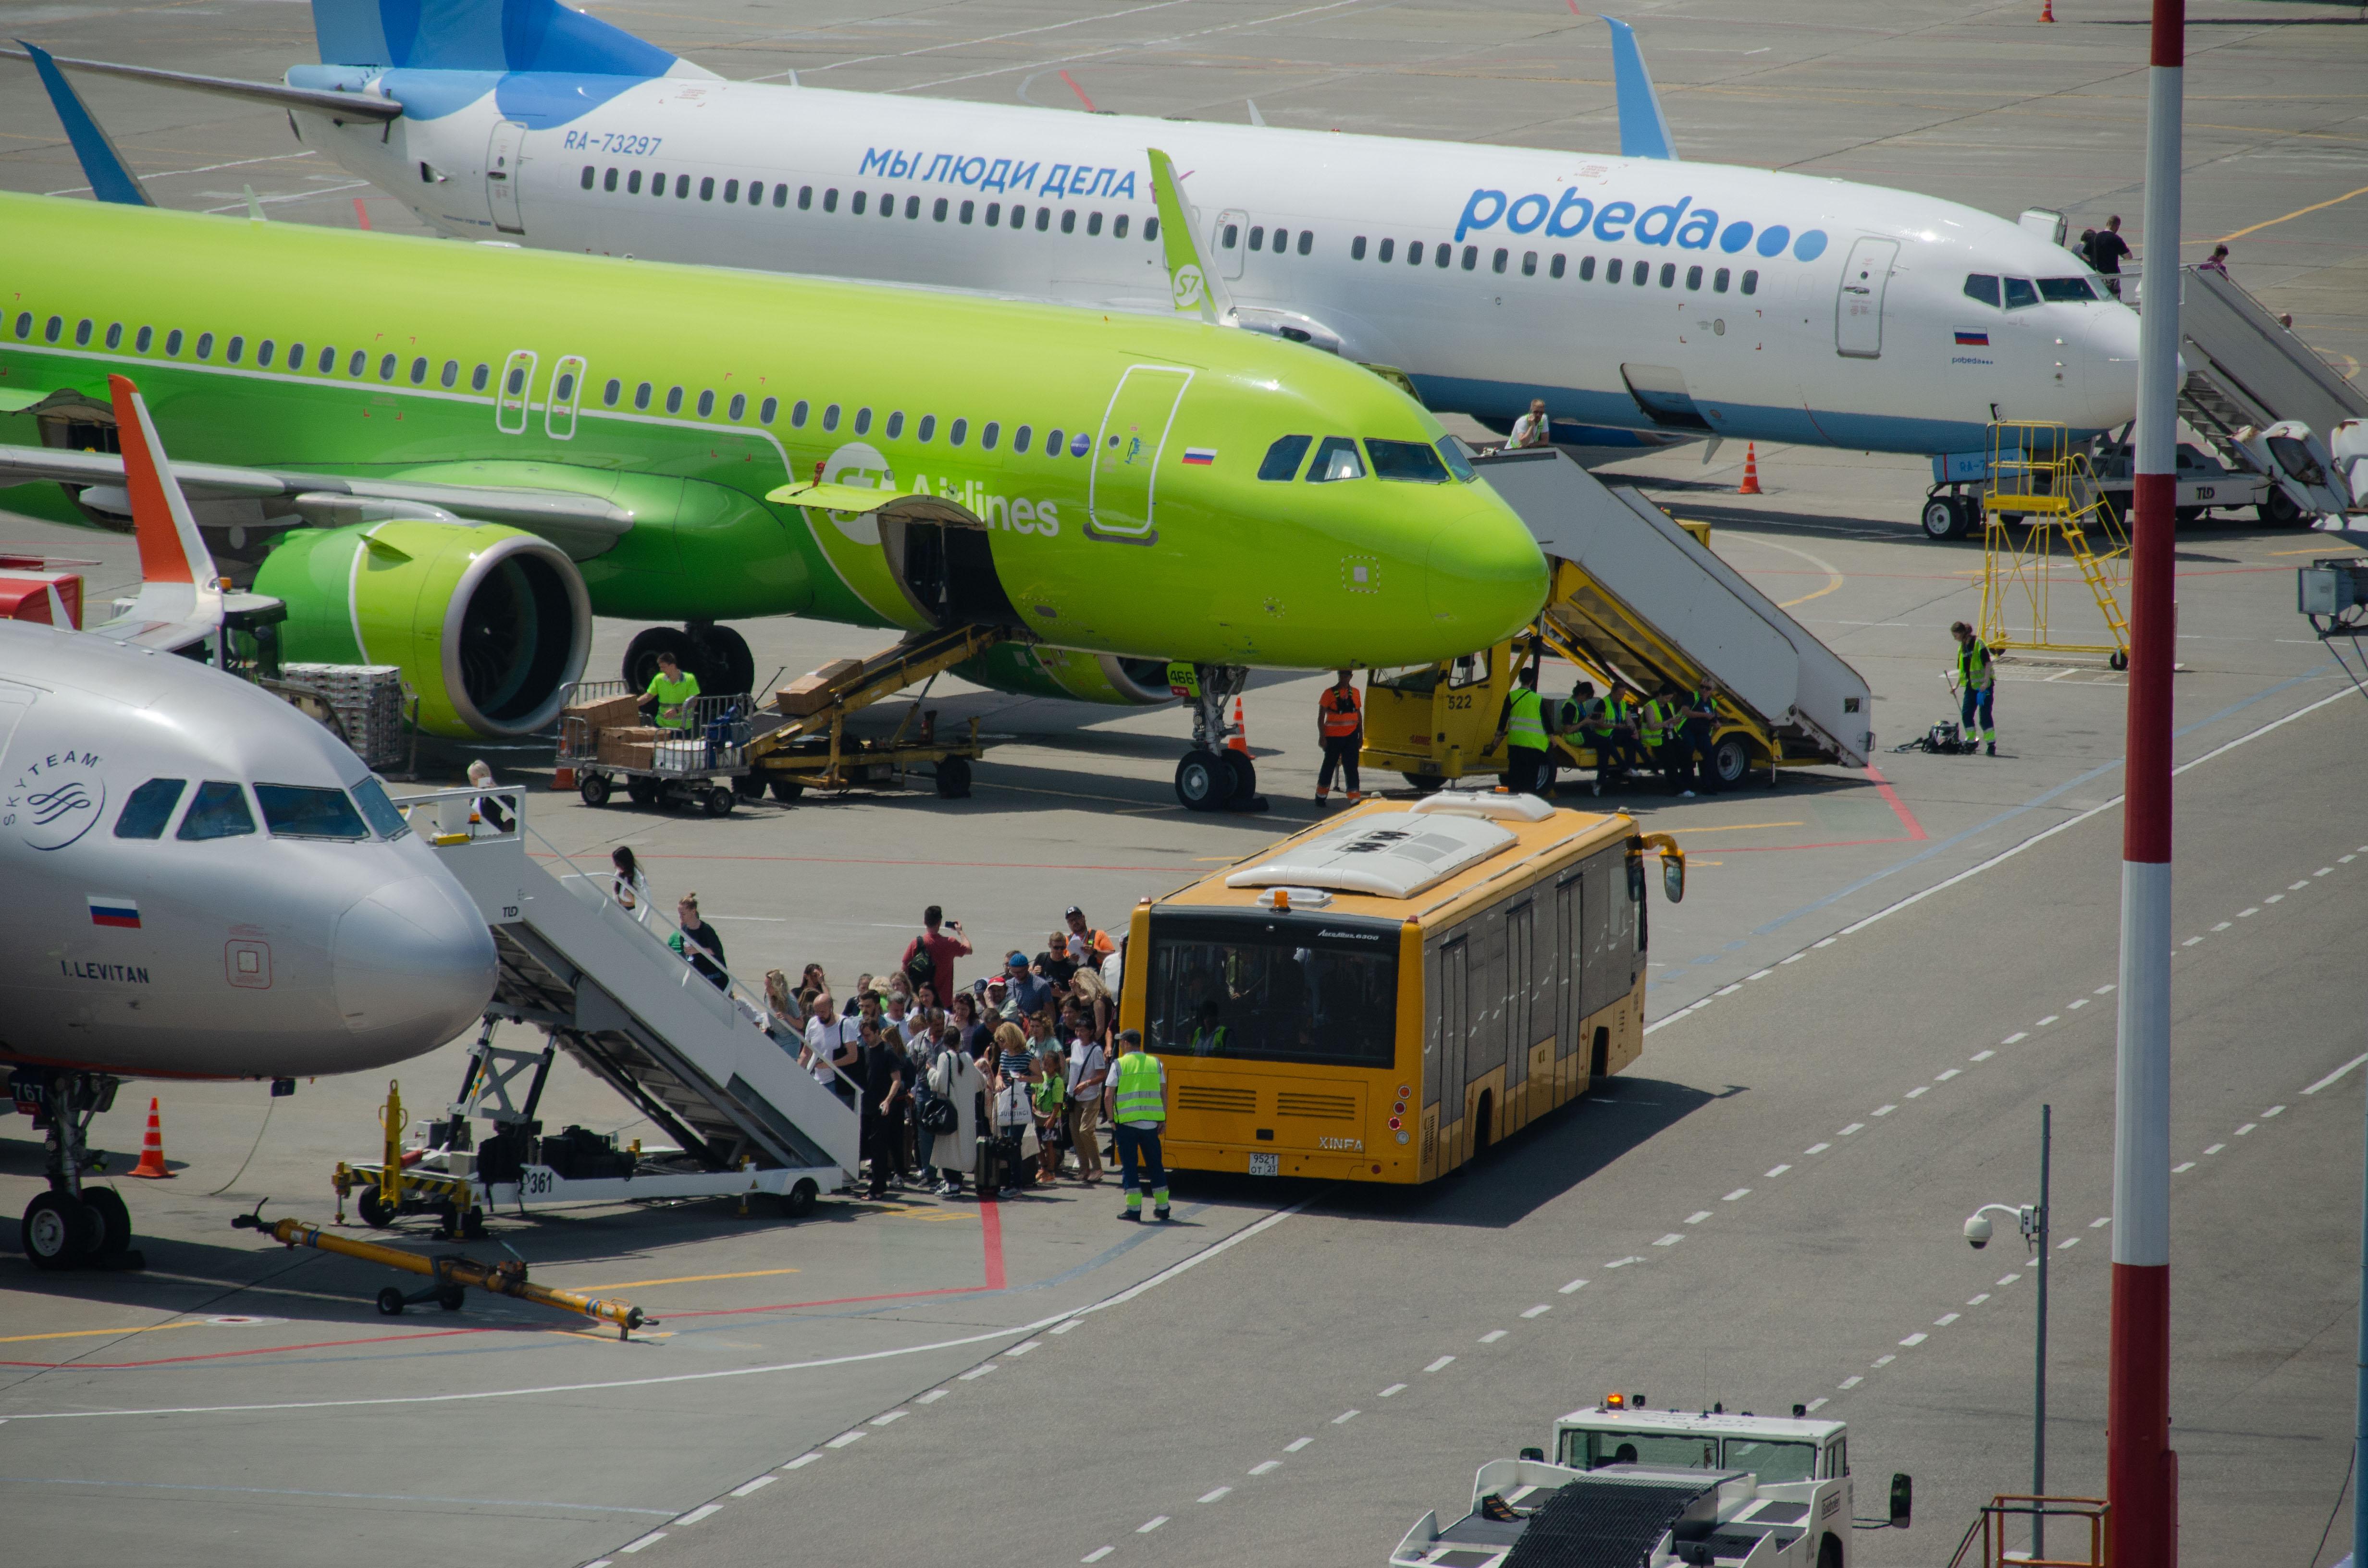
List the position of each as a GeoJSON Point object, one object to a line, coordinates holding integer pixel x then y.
{"type": "Point", "coordinates": [2037, 476]}
{"type": "Point", "coordinates": [792, 753]}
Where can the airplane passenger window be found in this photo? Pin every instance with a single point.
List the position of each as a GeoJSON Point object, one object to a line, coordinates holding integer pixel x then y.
{"type": "Point", "coordinates": [1751, 280]}
{"type": "Point", "coordinates": [1610, 269]}
{"type": "Point", "coordinates": [798, 414]}
{"type": "Point", "coordinates": [294, 810]}
{"type": "Point", "coordinates": [609, 181]}
{"type": "Point", "coordinates": [1439, 254]}
{"type": "Point", "coordinates": [1081, 443]}
{"type": "Point", "coordinates": [1555, 268]}
{"type": "Point", "coordinates": [658, 184]}
{"type": "Point", "coordinates": [912, 206]}
{"type": "Point", "coordinates": [739, 406]}
{"type": "Point", "coordinates": [479, 377]}
{"type": "Point", "coordinates": [1093, 223]}
{"type": "Point", "coordinates": [611, 392]}
{"type": "Point", "coordinates": [767, 409]}
{"type": "Point", "coordinates": [82, 333]}
{"type": "Point", "coordinates": [642, 395]}
{"type": "Point", "coordinates": [1258, 237]}
{"type": "Point", "coordinates": [955, 432]}
{"type": "Point", "coordinates": [1414, 252]}
{"type": "Point", "coordinates": [968, 210]}
{"type": "Point", "coordinates": [987, 434]}
{"type": "Point", "coordinates": [927, 428]}
{"type": "Point", "coordinates": [707, 187]}
{"type": "Point", "coordinates": [451, 374]}
{"type": "Point", "coordinates": [1983, 287]}
{"type": "Point", "coordinates": [262, 351]}
{"type": "Point", "coordinates": [855, 204]}
{"type": "Point", "coordinates": [731, 189]}
{"type": "Point", "coordinates": [1282, 461]}
{"type": "Point", "coordinates": [1387, 250]}
{"type": "Point", "coordinates": [633, 183]}
{"type": "Point", "coordinates": [896, 424]}
{"type": "Point", "coordinates": [1150, 229]}
{"type": "Point", "coordinates": [805, 197]}
{"type": "Point", "coordinates": [1718, 280]}
{"type": "Point", "coordinates": [587, 181]}
{"type": "Point", "coordinates": [172, 338]}
{"type": "Point", "coordinates": [2018, 293]}
{"type": "Point", "coordinates": [1231, 237]}
{"type": "Point", "coordinates": [781, 196]}
{"type": "Point", "coordinates": [115, 335]}
{"type": "Point", "coordinates": [830, 200]}
{"type": "Point", "coordinates": [1043, 219]}
{"type": "Point", "coordinates": [939, 209]}
{"type": "Point", "coordinates": [2058, 291]}
{"type": "Point", "coordinates": [234, 350]}
{"type": "Point", "coordinates": [1356, 248]}
{"type": "Point", "coordinates": [830, 417]}
{"type": "Point", "coordinates": [25, 326]}
{"type": "Point", "coordinates": [1336, 459]}
{"type": "Point", "coordinates": [1496, 261]}
{"type": "Point", "coordinates": [682, 187]}
{"type": "Point", "coordinates": [706, 403]}
{"type": "Point", "coordinates": [1053, 443]}
{"type": "Point", "coordinates": [205, 342]}
{"type": "Point", "coordinates": [358, 362]}
{"type": "Point", "coordinates": [1409, 460]}
{"type": "Point", "coordinates": [1019, 438]}
{"type": "Point", "coordinates": [1668, 274]}
{"type": "Point", "coordinates": [1306, 241]}
{"type": "Point", "coordinates": [386, 367]}
{"type": "Point", "coordinates": [295, 352]}
{"type": "Point", "coordinates": [1069, 221]}
{"type": "Point", "coordinates": [1118, 227]}
{"type": "Point", "coordinates": [1470, 257]}
{"type": "Point", "coordinates": [1693, 277]}
{"type": "Point", "coordinates": [515, 382]}
{"type": "Point", "coordinates": [1643, 273]}
{"type": "Point", "coordinates": [674, 400]}
{"type": "Point", "coordinates": [146, 336]}
{"type": "Point", "coordinates": [149, 808]}
{"type": "Point", "coordinates": [995, 213]}
{"type": "Point", "coordinates": [419, 371]}
{"type": "Point", "coordinates": [1529, 264]}
{"type": "Point", "coordinates": [326, 361]}
{"type": "Point", "coordinates": [219, 811]}
{"type": "Point", "coordinates": [370, 796]}
{"type": "Point", "coordinates": [863, 420]}
{"type": "Point", "coordinates": [57, 325]}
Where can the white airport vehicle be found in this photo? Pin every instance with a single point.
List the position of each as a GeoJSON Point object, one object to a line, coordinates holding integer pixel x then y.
{"type": "Point", "coordinates": [201, 882]}
{"type": "Point", "coordinates": [1633, 293]}
{"type": "Point", "coordinates": [2206, 483]}
{"type": "Point", "coordinates": [1660, 1488]}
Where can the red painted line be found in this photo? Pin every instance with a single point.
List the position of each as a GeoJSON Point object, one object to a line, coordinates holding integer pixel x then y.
{"type": "Point", "coordinates": [263, 1350]}
{"type": "Point", "coordinates": [1898, 807]}
{"type": "Point", "coordinates": [990, 1221]}
{"type": "Point", "coordinates": [361, 213]}
{"type": "Point", "coordinates": [1080, 91]}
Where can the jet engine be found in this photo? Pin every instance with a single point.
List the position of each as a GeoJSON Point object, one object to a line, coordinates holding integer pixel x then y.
{"type": "Point", "coordinates": [488, 624]}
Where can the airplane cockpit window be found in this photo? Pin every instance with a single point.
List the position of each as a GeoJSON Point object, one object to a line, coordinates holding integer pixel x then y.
{"type": "Point", "coordinates": [219, 811]}
{"type": "Point", "coordinates": [1282, 458]}
{"type": "Point", "coordinates": [1458, 464]}
{"type": "Point", "coordinates": [1336, 459]}
{"type": "Point", "coordinates": [1983, 287]}
{"type": "Point", "coordinates": [2067, 290]}
{"type": "Point", "coordinates": [2018, 293]}
{"type": "Point", "coordinates": [296, 810]}
{"type": "Point", "coordinates": [150, 808]}
{"type": "Point", "coordinates": [1410, 462]}
{"type": "Point", "coordinates": [370, 796]}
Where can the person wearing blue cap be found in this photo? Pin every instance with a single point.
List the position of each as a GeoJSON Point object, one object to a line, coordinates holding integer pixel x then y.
{"type": "Point", "coordinates": [1025, 992]}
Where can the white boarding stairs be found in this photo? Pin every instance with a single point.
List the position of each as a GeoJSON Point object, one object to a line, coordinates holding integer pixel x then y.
{"type": "Point", "coordinates": [2245, 368]}
{"type": "Point", "coordinates": [575, 963]}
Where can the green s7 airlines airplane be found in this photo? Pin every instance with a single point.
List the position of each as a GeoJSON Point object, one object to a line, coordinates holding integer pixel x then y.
{"type": "Point", "coordinates": [448, 457]}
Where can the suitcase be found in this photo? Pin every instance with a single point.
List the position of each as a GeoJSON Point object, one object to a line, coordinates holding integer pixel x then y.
{"type": "Point", "coordinates": [992, 1174]}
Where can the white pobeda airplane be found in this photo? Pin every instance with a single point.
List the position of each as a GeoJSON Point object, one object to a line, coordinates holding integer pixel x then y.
{"type": "Point", "coordinates": [1635, 292]}
{"type": "Point", "coordinates": [201, 881]}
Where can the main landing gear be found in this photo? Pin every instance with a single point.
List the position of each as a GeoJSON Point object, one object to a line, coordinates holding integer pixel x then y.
{"type": "Point", "coordinates": [1212, 777]}
{"type": "Point", "coordinates": [72, 1225]}
{"type": "Point", "coordinates": [717, 655]}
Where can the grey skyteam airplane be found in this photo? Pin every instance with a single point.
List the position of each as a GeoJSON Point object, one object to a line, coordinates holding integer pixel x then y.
{"type": "Point", "coordinates": [201, 882]}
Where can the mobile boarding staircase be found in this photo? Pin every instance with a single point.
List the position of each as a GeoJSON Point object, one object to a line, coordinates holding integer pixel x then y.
{"type": "Point", "coordinates": [745, 1116]}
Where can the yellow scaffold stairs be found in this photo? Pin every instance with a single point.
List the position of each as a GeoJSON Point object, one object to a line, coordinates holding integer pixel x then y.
{"type": "Point", "coordinates": [2036, 476]}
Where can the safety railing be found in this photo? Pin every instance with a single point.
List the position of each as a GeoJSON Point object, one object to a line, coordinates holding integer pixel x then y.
{"type": "Point", "coordinates": [1989, 1531]}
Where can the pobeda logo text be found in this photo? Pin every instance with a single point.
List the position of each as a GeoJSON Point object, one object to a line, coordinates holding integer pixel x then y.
{"type": "Point", "coordinates": [1679, 222]}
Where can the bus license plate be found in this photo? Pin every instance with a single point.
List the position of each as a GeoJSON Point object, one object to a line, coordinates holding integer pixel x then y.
{"type": "Point", "coordinates": [1266, 1164]}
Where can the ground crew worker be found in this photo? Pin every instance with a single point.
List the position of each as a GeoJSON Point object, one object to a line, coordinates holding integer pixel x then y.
{"type": "Point", "coordinates": [1699, 710]}
{"type": "Point", "coordinates": [1526, 758]}
{"type": "Point", "coordinates": [1975, 684]}
{"type": "Point", "coordinates": [1140, 1112]}
{"type": "Point", "coordinates": [1341, 729]}
{"type": "Point", "coordinates": [1613, 736]}
{"type": "Point", "coordinates": [1657, 727]}
{"type": "Point", "coordinates": [669, 694]}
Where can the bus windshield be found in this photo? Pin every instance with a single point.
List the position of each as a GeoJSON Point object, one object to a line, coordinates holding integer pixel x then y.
{"type": "Point", "coordinates": [1252, 990]}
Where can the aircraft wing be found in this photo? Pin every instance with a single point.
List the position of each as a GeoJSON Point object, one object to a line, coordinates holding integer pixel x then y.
{"type": "Point", "coordinates": [584, 526]}
{"type": "Point", "coordinates": [343, 106]}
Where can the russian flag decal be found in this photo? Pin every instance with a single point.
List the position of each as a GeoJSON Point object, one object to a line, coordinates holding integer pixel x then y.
{"type": "Point", "coordinates": [119, 911]}
{"type": "Point", "coordinates": [1201, 456]}
{"type": "Point", "coordinates": [1969, 339]}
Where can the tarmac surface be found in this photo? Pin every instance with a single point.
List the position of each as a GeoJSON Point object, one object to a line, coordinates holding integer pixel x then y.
{"type": "Point", "coordinates": [1875, 981]}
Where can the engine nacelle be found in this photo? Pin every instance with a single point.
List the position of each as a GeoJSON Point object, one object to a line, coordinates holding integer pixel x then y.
{"type": "Point", "coordinates": [488, 624]}
{"type": "Point", "coordinates": [1034, 670]}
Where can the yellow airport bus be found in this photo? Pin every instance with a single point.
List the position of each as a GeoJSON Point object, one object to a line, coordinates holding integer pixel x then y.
{"type": "Point", "coordinates": [1380, 997]}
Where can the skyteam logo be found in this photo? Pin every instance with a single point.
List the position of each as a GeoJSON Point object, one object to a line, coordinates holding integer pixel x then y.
{"type": "Point", "coordinates": [54, 801]}
{"type": "Point", "coordinates": [1678, 222]}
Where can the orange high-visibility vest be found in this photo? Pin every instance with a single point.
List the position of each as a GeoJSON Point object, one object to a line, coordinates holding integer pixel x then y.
{"type": "Point", "coordinates": [1336, 714]}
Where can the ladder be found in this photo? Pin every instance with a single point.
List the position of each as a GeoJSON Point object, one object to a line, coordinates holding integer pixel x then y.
{"type": "Point", "coordinates": [2035, 474]}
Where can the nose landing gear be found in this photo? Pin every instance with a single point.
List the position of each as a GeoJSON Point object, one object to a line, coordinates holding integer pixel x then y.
{"type": "Point", "coordinates": [72, 1225]}
{"type": "Point", "coordinates": [1211, 777]}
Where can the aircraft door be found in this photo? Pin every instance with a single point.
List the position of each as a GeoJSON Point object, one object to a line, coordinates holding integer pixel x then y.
{"type": "Point", "coordinates": [567, 391]}
{"type": "Point", "coordinates": [1226, 241]}
{"type": "Point", "coordinates": [514, 399]}
{"type": "Point", "coordinates": [1857, 310]}
{"type": "Point", "coordinates": [1126, 453]}
{"type": "Point", "coordinates": [503, 159]}
{"type": "Point", "coordinates": [948, 571]}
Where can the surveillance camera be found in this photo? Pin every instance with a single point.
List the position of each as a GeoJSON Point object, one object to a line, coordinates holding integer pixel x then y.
{"type": "Point", "coordinates": [1977, 1231]}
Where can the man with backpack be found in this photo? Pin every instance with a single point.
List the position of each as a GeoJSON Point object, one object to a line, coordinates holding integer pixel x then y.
{"type": "Point", "coordinates": [930, 956]}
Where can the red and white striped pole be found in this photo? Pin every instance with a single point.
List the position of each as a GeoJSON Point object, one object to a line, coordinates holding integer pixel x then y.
{"type": "Point", "coordinates": [2141, 1470]}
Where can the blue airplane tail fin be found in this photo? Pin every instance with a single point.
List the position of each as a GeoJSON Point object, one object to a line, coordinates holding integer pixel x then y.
{"type": "Point", "coordinates": [1643, 129]}
{"type": "Point", "coordinates": [480, 35]}
{"type": "Point", "coordinates": [110, 178]}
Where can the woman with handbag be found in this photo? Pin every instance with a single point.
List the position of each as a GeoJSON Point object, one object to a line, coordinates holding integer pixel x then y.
{"type": "Point", "coordinates": [955, 1087]}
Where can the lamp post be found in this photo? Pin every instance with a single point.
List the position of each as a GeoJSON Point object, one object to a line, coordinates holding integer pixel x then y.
{"type": "Point", "coordinates": [2032, 1218]}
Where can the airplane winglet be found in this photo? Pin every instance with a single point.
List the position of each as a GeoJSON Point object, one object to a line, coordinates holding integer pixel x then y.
{"type": "Point", "coordinates": [180, 597]}
{"type": "Point", "coordinates": [1193, 288]}
{"type": "Point", "coordinates": [110, 178]}
{"type": "Point", "coordinates": [1643, 129]}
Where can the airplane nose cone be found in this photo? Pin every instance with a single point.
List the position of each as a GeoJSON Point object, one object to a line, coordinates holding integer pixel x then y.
{"type": "Point", "coordinates": [2112, 383]}
{"type": "Point", "coordinates": [413, 965]}
{"type": "Point", "coordinates": [1487, 576]}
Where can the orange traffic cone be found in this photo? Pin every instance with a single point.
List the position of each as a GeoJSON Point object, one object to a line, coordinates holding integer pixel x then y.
{"type": "Point", "coordinates": [1240, 740]}
{"type": "Point", "coordinates": [1750, 485]}
{"type": "Point", "coordinates": [563, 778]}
{"type": "Point", "coordinates": [151, 1150]}
{"type": "Point", "coordinates": [2046, 10]}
